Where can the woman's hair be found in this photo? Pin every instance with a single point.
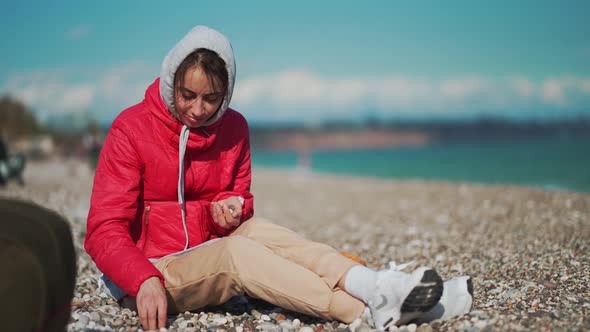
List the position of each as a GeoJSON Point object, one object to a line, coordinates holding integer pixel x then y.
{"type": "Point", "coordinates": [210, 62]}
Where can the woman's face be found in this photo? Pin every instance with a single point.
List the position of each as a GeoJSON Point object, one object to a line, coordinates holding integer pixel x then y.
{"type": "Point", "coordinates": [196, 98]}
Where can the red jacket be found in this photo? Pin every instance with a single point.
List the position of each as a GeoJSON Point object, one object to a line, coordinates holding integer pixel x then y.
{"type": "Point", "coordinates": [135, 214]}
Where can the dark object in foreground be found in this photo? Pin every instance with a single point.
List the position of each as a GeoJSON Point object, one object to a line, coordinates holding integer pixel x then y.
{"type": "Point", "coordinates": [39, 268]}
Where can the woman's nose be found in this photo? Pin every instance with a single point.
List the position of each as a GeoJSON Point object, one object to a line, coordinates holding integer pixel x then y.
{"type": "Point", "coordinates": [197, 108]}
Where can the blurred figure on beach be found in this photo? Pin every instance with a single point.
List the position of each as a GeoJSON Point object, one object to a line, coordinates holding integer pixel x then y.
{"type": "Point", "coordinates": [171, 218]}
{"type": "Point", "coordinates": [39, 270]}
{"type": "Point", "coordinates": [11, 167]}
{"type": "Point", "coordinates": [92, 143]}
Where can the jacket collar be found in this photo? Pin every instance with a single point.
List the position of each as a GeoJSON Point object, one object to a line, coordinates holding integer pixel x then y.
{"type": "Point", "coordinates": [199, 138]}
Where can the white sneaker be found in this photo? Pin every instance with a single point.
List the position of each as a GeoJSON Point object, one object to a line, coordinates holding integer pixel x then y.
{"type": "Point", "coordinates": [456, 300]}
{"type": "Point", "coordinates": [400, 297]}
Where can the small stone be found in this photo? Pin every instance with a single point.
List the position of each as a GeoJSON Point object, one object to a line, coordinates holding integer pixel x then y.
{"type": "Point", "coordinates": [306, 329]}
{"type": "Point", "coordinates": [267, 326]}
{"type": "Point", "coordinates": [281, 316]}
{"type": "Point", "coordinates": [220, 320]}
{"type": "Point", "coordinates": [480, 324]}
{"type": "Point", "coordinates": [95, 316]}
{"type": "Point", "coordinates": [424, 328]}
{"type": "Point", "coordinates": [118, 322]}
{"type": "Point", "coordinates": [412, 327]}
{"type": "Point", "coordinates": [256, 313]}
{"type": "Point", "coordinates": [548, 284]}
{"type": "Point", "coordinates": [355, 324]}
{"type": "Point", "coordinates": [84, 320]}
{"type": "Point", "coordinates": [265, 318]}
{"type": "Point", "coordinates": [363, 328]}
{"type": "Point", "coordinates": [296, 323]}
{"type": "Point", "coordinates": [77, 304]}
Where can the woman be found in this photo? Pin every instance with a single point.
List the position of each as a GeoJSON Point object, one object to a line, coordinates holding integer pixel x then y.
{"type": "Point", "coordinates": [170, 218]}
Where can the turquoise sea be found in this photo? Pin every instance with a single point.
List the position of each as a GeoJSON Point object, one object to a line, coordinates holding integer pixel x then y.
{"type": "Point", "coordinates": [554, 163]}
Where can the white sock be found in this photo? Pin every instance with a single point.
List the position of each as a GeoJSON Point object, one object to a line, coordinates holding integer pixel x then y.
{"type": "Point", "coordinates": [360, 282]}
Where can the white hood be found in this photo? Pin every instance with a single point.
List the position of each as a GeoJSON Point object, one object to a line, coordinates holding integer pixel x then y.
{"type": "Point", "coordinates": [199, 37]}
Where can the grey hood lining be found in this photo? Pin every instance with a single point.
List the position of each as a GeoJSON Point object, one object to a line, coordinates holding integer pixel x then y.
{"type": "Point", "coordinates": [199, 37]}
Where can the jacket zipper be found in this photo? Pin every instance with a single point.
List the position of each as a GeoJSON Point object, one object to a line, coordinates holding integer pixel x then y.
{"type": "Point", "coordinates": [147, 220]}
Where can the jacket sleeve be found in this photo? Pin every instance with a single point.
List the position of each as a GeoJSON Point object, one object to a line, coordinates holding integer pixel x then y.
{"type": "Point", "coordinates": [113, 208]}
{"type": "Point", "coordinates": [241, 187]}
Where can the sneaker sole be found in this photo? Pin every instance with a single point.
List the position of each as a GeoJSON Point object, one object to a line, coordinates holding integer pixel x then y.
{"type": "Point", "coordinates": [421, 299]}
{"type": "Point", "coordinates": [470, 287]}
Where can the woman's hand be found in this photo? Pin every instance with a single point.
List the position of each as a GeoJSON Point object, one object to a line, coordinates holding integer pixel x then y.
{"type": "Point", "coordinates": [152, 304]}
{"type": "Point", "coordinates": [227, 213]}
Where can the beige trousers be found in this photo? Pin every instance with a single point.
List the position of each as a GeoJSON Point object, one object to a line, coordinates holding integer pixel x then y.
{"type": "Point", "coordinates": [266, 261]}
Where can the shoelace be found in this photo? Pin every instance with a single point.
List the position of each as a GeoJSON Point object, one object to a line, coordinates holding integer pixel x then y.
{"type": "Point", "coordinates": [393, 266]}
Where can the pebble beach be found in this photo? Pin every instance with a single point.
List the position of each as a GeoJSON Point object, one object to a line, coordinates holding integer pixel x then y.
{"type": "Point", "coordinates": [526, 248]}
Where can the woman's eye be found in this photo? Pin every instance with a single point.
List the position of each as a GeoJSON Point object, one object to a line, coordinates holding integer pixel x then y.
{"type": "Point", "coordinates": [212, 99]}
{"type": "Point", "coordinates": [187, 97]}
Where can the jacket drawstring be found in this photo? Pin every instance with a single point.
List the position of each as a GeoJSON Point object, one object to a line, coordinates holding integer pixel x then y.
{"type": "Point", "coordinates": [184, 133]}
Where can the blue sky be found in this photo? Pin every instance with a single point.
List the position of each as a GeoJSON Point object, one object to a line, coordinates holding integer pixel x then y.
{"type": "Point", "coordinates": [309, 61]}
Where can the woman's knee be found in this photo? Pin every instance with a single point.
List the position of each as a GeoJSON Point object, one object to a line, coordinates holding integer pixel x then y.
{"type": "Point", "coordinates": [247, 226]}
{"type": "Point", "coordinates": [238, 244]}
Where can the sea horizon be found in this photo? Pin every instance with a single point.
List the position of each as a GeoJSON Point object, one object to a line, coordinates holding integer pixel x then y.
{"type": "Point", "coordinates": [557, 163]}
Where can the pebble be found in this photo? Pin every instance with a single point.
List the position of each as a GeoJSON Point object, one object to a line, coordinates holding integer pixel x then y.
{"type": "Point", "coordinates": [355, 324]}
{"type": "Point", "coordinates": [549, 284]}
{"type": "Point", "coordinates": [424, 328]}
{"type": "Point", "coordinates": [95, 316]}
{"type": "Point", "coordinates": [267, 326]}
{"type": "Point", "coordinates": [220, 320]}
{"type": "Point", "coordinates": [83, 320]}
{"type": "Point", "coordinates": [363, 328]}
{"type": "Point", "coordinates": [118, 322]}
{"type": "Point", "coordinates": [256, 313]}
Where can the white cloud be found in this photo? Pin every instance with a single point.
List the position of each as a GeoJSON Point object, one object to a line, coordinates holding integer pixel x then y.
{"type": "Point", "coordinates": [585, 86]}
{"type": "Point", "coordinates": [462, 88]}
{"type": "Point", "coordinates": [399, 91]}
{"type": "Point", "coordinates": [552, 91]}
{"type": "Point", "coordinates": [49, 91]}
{"type": "Point", "coordinates": [69, 91]}
{"type": "Point", "coordinates": [565, 90]}
{"type": "Point", "coordinates": [78, 97]}
{"type": "Point", "coordinates": [303, 94]}
{"type": "Point", "coordinates": [125, 83]}
{"type": "Point", "coordinates": [79, 32]}
{"type": "Point", "coordinates": [299, 93]}
{"type": "Point", "coordinates": [522, 86]}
